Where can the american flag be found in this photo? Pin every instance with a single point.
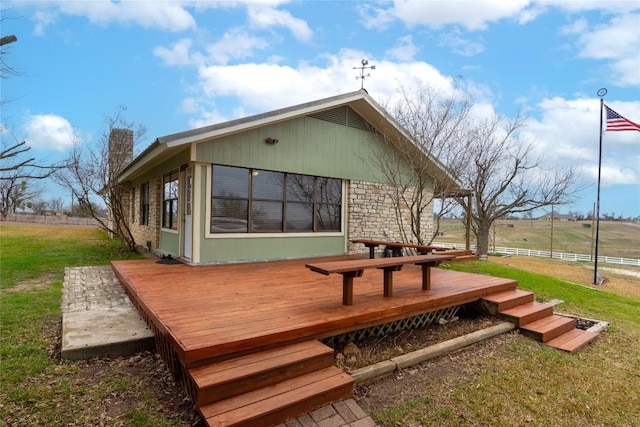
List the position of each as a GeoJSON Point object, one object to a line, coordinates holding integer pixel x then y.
{"type": "Point", "coordinates": [615, 122]}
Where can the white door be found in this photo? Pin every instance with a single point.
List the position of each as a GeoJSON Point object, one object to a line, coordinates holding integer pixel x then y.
{"type": "Point", "coordinates": [187, 231]}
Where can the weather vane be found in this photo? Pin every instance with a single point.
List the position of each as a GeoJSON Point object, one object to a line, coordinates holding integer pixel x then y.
{"type": "Point", "coordinates": [365, 65]}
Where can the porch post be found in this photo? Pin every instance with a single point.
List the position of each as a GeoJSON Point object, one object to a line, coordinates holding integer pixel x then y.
{"type": "Point", "coordinates": [468, 231]}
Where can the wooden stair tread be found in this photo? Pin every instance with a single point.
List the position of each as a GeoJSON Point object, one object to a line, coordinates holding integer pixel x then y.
{"type": "Point", "coordinates": [222, 380]}
{"type": "Point", "coordinates": [507, 295]}
{"type": "Point", "coordinates": [278, 402]}
{"type": "Point", "coordinates": [251, 364]}
{"type": "Point", "coordinates": [573, 340]}
{"type": "Point", "coordinates": [549, 327]}
{"type": "Point", "coordinates": [527, 308]}
{"type": "Point", "coordinates": [529, 312]}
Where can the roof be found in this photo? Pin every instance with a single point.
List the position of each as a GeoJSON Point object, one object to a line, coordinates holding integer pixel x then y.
{"type": "Point", "coordinates": [360, 101]}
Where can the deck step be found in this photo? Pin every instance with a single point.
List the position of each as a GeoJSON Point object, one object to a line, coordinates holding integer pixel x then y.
{"type": "Point", "coordinates": [277, 403]}
{"type": "Point", "coordinates": [232, 377]}
{"type": "Point", "coordinates": [508, 299]}
{"type": "Point", "coordinates": [549, 327]}
{"type": "Point", "coordinates": [573, 340]}
{"type": "Point", "coordinates": [527, 313]}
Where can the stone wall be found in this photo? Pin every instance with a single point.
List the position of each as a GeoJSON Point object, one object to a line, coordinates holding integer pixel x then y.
{"type": "Point", "coordinates": [372, 215]}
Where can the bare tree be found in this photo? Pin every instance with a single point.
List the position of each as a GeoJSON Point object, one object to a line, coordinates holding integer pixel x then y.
{"type": "Point", "coordinates": [14, 165]}
{"type": "Point", "coordinates": [56, 204]}
{"type": "Point", "coordinates": [17, 170]}
{"type": "Point", "coordinates": [15, 194]}
{"type": "Point", "coordinates": [507, 178]}
{"type": "Point", "coordinates": [92, 175]}
{"type": "Point", "coordinates": [436, 123]}
{"type": "Point", "coordinates": [486, 158]}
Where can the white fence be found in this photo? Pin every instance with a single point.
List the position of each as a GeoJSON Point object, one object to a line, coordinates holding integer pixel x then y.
{"type": "Point", "coordinates": [556, 255]}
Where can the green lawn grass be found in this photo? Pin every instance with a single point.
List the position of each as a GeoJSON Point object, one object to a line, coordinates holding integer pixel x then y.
{"type": "Point", "coordinates": [526, 383]}
{"type": "Point", "coordinates": [36, 387]}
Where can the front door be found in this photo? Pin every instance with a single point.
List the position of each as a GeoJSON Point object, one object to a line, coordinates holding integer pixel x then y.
{"type": "Point", "coordinates": [187, 229]}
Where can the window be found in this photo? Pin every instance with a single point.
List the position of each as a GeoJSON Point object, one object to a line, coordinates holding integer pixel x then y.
{"type": "Point", "coordinates": [170, 201]}
{"type": "Point", "coordinates": [258, 201]}
{"type": "Point", "coordinates": [144, 204]}
{"type": "Point", "coordinates": [132, 204]}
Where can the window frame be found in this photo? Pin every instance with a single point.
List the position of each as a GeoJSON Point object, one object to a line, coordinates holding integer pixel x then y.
{"type": "Point", "coordinates": [170, 205]}
{"type": "Point", "coordinates": [145, 189]}
{"type": "Point", "coordinates": [317, 205]}
{"type": "Point", "coordinates": [132, 204]}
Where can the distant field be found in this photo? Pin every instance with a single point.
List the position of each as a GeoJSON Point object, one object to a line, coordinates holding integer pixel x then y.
{"type": "Point", "coordinates": [620, 239]}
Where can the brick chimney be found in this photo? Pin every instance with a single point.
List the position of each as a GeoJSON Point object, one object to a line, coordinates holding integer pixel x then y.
{"type": "Point", "coordinates": [120, 150]}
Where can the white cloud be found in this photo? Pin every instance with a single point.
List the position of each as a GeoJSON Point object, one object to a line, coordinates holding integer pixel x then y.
{"type": "Point", "coordinates": [461, 45]}
{"type": "Point", "coordinates": [236, 43]}
{"type": "Point", "coordinates": [265, 87]}
{"type": "Point", "coordinates": [43, 19]}
{"type": "Point", "coordinates": [618, 42]}
{"type": "Point", "coordinates": [49, 132]}
{"type": "Point", "coordinates": [436, 14]}
{"type": "Point", "coordinates": [164, 15]}
{"type": "Point", "coordinates": [610, 6]}
{"type": "Point", "coordinates": [404, 51]}
{"type": "Point", "coordinates": [578, 26]}
{"type": "Point", "coordinates": [179, 54]}
{"type": "Point", "coordinates": [266, 17]}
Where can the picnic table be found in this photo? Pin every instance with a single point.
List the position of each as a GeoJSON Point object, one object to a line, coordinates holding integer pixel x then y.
{"type": "Point", "coordinates": [355, 268]}
{"type": "Point", "coordinates": [395, 247]}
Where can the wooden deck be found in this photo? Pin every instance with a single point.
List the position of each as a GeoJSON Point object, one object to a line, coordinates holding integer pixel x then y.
{"type": "Point", "coordinates": [209, 313]}
{"type": "Point", "coordinates": [242, 338]}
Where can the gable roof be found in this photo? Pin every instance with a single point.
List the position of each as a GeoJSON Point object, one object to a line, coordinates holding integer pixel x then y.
{"type": "Point", "coordinates": [360, 101]}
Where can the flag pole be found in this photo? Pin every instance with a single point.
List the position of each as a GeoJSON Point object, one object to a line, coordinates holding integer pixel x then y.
{"type": "Point", "coordinates": [601, 93]}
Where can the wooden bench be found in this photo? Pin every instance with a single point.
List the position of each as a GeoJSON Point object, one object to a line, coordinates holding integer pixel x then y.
{"type": "Point", "coordinates": [396, 246]}
{"type": "Point", "coordinates": [355, 268]}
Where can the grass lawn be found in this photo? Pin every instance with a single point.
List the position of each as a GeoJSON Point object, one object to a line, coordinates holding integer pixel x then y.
{"type": "Point", "coordinates": [37, 388]}
{"type": "Point", "coordinates": [522, 382]}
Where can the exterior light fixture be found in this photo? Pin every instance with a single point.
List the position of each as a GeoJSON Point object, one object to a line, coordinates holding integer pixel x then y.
{"type": "Point", "coordinates": [271, 141]}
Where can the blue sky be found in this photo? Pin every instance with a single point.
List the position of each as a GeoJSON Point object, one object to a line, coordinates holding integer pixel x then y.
{"type": "Point", "coordinates": [177, 65]}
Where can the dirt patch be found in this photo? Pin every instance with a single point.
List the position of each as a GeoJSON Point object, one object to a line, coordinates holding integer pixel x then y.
{"type": "Point", "coordinates": [617, 282]}
{"type": "Point", "coordinates": [373, 350]}
{"type": "Point", "coordinates": [38, 284]}
{"type": "Point", "coordinates": [105, 392]}
{"type": "Point", "coordinates": [413, 382]}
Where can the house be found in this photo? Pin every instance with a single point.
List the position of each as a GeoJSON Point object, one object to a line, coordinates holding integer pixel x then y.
{"type": "Point", "coordinates": [557, 217]}
{"type": "Point", "coordinates": [291, 183]}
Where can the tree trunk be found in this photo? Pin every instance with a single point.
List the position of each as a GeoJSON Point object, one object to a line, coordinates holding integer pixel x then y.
{"type": "Point", "coordinates": [483, 238]}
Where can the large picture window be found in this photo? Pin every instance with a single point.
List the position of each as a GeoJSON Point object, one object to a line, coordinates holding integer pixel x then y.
{"type": "Point", "coordinates": [170, 200]}
{"type": "Point", "coordinates": [258, 201]}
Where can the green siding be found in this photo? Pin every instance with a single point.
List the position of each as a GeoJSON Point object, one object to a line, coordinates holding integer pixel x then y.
{"type": "Point", "coordinates": [170, 243]}
{"type": "Point", "coordinates": [260, 248]}
{"type": "Point", "coordinates": [306, 145]}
